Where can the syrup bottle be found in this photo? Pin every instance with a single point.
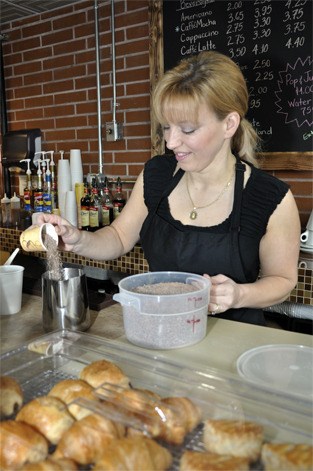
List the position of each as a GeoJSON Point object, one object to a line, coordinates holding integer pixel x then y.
{"type": "Point", "coordinates": [106, 204]}
{"type": "Point", "coordinates": [95, 207]}
{"type": "Point", "coordinates": [119, 200]}
{"type": "Point", "coordinates": [84, 208]}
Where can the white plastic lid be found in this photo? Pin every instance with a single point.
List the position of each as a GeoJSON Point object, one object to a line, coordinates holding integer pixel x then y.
{"type": "Point", "coordinates": [284, 367]}
{"type": "Point", "coordinates": [15, 199]}
{"type": "Point", "coordinates": [5, 199]}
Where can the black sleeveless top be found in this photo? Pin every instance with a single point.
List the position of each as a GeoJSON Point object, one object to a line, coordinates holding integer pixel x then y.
{"type": "Point", "coordinates": [230, 248]}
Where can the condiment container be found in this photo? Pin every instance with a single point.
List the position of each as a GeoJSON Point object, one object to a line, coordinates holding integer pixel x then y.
{"type": "Point", "coordinates": [164, 321]}
{"type": "Point", "coordinates": [5, 211]}
{"type": "Point", "coordinates": [15, 208]}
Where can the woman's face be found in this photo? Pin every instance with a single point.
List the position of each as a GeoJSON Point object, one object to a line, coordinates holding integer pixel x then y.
{"type": "Point", "coordinates": [196, 145]}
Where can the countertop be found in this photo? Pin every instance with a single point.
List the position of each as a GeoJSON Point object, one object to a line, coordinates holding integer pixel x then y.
{"type": "Point", "coordinates": [224, 343]}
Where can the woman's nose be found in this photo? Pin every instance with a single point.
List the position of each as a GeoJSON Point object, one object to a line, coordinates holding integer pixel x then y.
{"type": "Point", "coordinates": [172, 139]}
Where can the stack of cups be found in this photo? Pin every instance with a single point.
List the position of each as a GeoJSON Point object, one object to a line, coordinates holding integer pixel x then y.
{"type": "Point", "coordinates": [76, 167]}
{"type": "Point", "coordinates": [64, 183]}
{"type": "Point", "coordinates": [71, 207]}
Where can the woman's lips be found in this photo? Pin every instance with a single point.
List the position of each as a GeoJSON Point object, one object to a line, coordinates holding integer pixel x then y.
{"type": "Point", "coordinates": [181, 156]}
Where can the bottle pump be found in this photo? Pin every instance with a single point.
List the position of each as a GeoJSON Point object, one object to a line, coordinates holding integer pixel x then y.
{"type": "Point", "coordinates": [38, 192]}
{"type": "Point", "coordinates": [47, 197]}
{"type": "Point", "coordinates": [28, 192]}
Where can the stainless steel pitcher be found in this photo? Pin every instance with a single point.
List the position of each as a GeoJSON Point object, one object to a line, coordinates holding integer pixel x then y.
{"type": "Point", "coordinates": [65, 302]}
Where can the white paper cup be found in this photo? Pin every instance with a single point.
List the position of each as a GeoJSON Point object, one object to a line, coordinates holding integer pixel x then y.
{"type": "Point", "coordinates": [32, 240]}
{"type": "Point", "coordinates": [71, 207]}
{"type": "Point", "coordinates": [64, 183]}
{"type": "Point", "coordinates": [76, 167]}
{"type": "Point", "coordinates": [11, 287]}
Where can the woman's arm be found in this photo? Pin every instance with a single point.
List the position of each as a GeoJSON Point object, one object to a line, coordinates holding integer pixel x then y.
{"type": "Point", "coordinates": [279, 253]}
{"type": "Point", "coordinates": [109, 242]}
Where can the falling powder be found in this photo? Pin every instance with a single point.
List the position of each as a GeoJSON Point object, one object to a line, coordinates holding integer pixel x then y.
{"type": "Point", "coordinates": [54, 261]}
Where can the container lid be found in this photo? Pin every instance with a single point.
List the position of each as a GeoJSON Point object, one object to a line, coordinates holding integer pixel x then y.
{"type": "Point", "coordinates": [15, 199]}
{"type": "Point", "coordinates": [287, 368]}
{"type": "Point", "coordinates": [5, 199]}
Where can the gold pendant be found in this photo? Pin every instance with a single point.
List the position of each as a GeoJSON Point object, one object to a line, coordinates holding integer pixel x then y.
{"type": "Point", "coordinates": [193, 215]}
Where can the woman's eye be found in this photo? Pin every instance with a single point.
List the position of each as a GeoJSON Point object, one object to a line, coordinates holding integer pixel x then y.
{"type": "Point", "coordinates": [188, 131]}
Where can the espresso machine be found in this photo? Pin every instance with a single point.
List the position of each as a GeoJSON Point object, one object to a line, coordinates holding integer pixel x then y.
{"type": "Point", "coordinates": [17, 146]}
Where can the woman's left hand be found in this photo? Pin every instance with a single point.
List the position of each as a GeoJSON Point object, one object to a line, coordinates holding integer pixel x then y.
{"type": "Point", "coordinates": [224, 294]}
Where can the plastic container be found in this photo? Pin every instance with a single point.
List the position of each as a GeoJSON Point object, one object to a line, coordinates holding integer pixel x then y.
{"type": "Point", "coordinates": [6, 212]}
{"type": "Point", "coordinates": [15, 207]}
{"type": "Point", "coordinates": [164, 321]}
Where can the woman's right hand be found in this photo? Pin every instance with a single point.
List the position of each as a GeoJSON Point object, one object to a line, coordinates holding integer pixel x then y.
{"type": "Point", "coordinates": [69, 235]}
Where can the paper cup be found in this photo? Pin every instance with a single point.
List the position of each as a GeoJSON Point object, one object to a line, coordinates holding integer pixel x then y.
{"type": "Point", "coordinates": [11, 288]}
{"type": "Point", "coordinates": [71, 208]}
{"type": "Point", "coordinates": [64, 183]}
{"type": "Point", "coordinates": [32, 240]}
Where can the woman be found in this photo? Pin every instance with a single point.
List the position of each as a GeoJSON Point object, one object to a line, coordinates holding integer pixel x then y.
{"type": "Point", "coordinates": [206, 208]}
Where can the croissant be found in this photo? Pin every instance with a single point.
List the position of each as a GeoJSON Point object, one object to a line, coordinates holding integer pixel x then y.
{"type": "Point", "coordinates": [11, 396]}
{"type": "Point", "coordinates": [137, 453]}
{"type": "Point", "coordinates": [186, 409]}
{"type": "Point", "coordinates": [70, 389]}
{"type": "Point", "coordinates": [51, 464]}
{"type": "Point", "coordinates": [170, 419]}
{"type": "Point", "coordinates": [49, 415]}
{"type": "Point", "coordinates": [85, 440]}
{"type": "Point", "coordinates": [19, 444]}
{"type": "Point", "coordinates": [100, 372]}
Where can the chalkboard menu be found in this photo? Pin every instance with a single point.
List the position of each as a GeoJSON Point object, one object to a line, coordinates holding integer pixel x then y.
{"type": "Point", "coordinates": [271, 40]}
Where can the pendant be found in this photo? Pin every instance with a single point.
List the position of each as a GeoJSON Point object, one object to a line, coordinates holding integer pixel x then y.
{"type": "Point", "coordinates": [193, 214]}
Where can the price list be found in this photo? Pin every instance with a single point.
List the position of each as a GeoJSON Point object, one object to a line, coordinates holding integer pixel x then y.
{"type": "Point", "coordinates": [271, 41]}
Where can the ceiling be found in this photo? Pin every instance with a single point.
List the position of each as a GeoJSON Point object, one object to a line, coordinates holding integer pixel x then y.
{"type": "Point", "coordinates": [11, 10]}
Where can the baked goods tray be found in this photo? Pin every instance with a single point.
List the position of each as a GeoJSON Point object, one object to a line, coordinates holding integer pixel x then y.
{"type": "Point", "coordinates": [39, 365]}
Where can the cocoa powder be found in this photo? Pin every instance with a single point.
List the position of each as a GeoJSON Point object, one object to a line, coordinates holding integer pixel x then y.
{"type": "Point", "coordinates": [54, 262]}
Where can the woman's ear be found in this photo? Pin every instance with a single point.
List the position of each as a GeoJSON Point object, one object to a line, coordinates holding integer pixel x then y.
{"type": "Point", "coordinates": [232, 121]}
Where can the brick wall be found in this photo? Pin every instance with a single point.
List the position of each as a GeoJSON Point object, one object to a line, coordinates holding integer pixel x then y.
{"type": "Point", "coordinates": [50, 80]}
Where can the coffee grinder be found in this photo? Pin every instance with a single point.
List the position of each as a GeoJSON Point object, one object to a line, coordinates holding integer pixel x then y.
{"type": "Point", "coordinates": [17, 146]}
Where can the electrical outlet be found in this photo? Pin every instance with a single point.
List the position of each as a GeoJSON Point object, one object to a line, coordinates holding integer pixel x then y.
{"type": "Point", "coordinates": [114, 131]}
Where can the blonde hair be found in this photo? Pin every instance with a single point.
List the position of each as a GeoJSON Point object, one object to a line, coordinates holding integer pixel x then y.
{"type": "Point", "coordinates": [213, 79]}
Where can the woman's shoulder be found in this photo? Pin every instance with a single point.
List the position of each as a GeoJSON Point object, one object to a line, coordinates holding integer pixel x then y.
{"type": "Point", "coordinates": [158, 171]}
{"type": "Point", "coordinates": [165, 163]}
{"type": "Point", "coordinates": [262, 194]}
{"type": "Point", "coordinates": [266, 185]}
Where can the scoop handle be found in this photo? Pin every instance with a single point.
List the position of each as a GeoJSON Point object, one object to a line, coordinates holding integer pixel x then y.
{"type": "Point", "coordinates": [12, 257]}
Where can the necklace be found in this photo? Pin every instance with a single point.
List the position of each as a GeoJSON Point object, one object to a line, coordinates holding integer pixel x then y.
{"type": "Point", "coordinates": [193, 213]}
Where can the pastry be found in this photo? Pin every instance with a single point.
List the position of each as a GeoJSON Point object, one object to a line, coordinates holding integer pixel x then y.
{"type": "Point", "coordinates": [187, 409]}
{"type": "Point", "coordinates": [49, 415]}
{"type": "Point", "coordinates": [85, 440]}
{"type": "Point", "coordinates": [11, 396]}
{"type": "Point", "coordinates": [169, 419]}
{"type": "Point", "coordinates": [287, 457]}
{"type": "Point", "coordinates": [20, 443]}
{"type": "Point", "coordinates": [69, 390]}
{"type": "Point", "coordinates": [204, 461]}
{"type": "Point", "coordinates": [137, 453]}
{"type": "Point", "coordinates": [233, 437]}
{"type": "Point", "coordinates": [51, 464]}
{"type": "Point", "coordinates": [100, 372]}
